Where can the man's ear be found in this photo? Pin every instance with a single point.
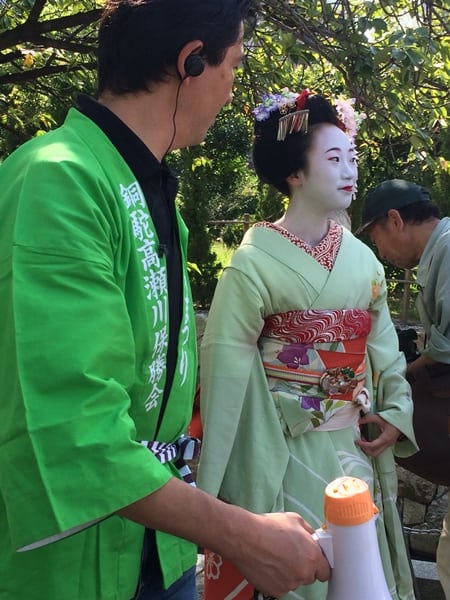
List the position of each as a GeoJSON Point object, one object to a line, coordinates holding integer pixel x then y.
{"type": "Point", "coordinates": [395, 219]}
{"type": "Point", "coordinates": [186, 53]}
{"type": "Point", "coordinates": [295, 180]}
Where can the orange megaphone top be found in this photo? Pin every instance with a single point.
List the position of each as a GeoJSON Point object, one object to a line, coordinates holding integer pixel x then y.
{"type": "Point", "coordinates": [348, 502]}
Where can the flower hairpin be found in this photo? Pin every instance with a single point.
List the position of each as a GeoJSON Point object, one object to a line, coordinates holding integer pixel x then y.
{"type": "Point", "coordinates": [348, 116]}
{"type": "Point", "coordinates": [284, 102]}
{"type": "Point", "coordinates": [294, 116]}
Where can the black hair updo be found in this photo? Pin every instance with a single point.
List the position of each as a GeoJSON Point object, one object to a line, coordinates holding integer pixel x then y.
{"type": "Point", "coordinates": [275, 160]}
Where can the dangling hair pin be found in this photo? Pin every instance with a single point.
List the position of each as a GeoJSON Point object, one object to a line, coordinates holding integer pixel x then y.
{"type": "Point", "coordinates": [295, 122]}
{"type": "Point", "coordinates": [284, 102]}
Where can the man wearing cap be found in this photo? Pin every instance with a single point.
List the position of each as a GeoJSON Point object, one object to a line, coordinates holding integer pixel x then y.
{"type": "Point", "coordinates": [404, 224]}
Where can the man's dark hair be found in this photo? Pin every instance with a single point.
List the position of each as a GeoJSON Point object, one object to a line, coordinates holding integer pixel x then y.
{"type": "Point", "coordinates": [419, 212]}
{"type": "Point", "coordinates": [414, 214]}
{"type": "Point", "coordinates": [140, 40]}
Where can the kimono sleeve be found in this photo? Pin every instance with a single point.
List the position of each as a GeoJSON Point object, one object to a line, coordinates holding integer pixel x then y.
{"type": "Point", "coordinates": [238, 462]}
{"type": "Point", "coordinates": [392, 392]}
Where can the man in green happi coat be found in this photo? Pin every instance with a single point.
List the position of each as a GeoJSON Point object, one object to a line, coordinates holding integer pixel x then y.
{"type": "Point", "coordinates": [97, 343]}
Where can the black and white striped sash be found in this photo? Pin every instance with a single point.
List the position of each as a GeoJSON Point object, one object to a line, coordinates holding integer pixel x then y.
{"type": "Point", "coordinates": [185, 448]}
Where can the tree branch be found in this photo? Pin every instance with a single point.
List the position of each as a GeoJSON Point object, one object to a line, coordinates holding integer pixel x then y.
{"type": "Point", "coordinates": [32, 74]}
{"type": "Point", "coordinates": [36, 11]}
{"type": "Point", "coordinates": [63, 44]}
{"type": "Point", "coordinates": [23, 33]}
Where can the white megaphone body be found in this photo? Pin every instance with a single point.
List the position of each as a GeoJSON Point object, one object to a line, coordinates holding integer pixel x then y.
{"type": "Point", "coordinates": [349, 541]}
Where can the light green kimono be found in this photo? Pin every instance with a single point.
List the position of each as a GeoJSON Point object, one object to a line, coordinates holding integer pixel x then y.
{"type": "Point", "coordinates": [247, 458]}
{"type": "Point", "coordinates": [83, 338]}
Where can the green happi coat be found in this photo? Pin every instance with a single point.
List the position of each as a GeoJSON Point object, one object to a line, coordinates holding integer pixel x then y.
{"type": "Point", "coordinates": [83, 338]}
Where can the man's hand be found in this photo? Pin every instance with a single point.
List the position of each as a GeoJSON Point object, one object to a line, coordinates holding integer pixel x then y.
{"type": "Point", "coordinates": [387, 437]}
{"type": "Point", "coordinates": [275, 552]}
{"type": "Point", "coordinates": [281, 554]}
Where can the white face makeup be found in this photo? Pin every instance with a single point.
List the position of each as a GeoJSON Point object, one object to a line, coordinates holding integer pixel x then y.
{"type": "Point", "coordinates": [330, 179]}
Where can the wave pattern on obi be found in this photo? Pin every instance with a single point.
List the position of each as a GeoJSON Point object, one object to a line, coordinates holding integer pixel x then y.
{"type": "Point", "coordinates": [315, 364]}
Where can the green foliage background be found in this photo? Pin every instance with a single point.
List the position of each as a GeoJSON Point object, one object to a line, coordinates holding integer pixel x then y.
{"type": "Point", "coordinates": [392, 56]}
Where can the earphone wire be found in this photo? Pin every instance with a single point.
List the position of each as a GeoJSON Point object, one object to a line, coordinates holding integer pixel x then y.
{"type": "Point", "coordinates": [174, 125]}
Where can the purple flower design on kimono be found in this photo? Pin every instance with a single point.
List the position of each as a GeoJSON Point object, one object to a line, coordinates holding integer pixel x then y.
{"type": "Point", "coordinates": [308, 402]}
{"type": "Point", "coordinates": [294, 355]}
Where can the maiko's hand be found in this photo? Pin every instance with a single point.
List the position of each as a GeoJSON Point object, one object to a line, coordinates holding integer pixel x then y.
{"type": "Point", "coordinates": [387, 437]}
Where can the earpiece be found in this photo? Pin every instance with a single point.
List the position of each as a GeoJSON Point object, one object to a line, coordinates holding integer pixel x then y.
{"type": "Point", "coordinates": [194, 65]}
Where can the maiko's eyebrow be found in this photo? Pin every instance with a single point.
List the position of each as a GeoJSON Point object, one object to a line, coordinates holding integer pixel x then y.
{"type": "Point", "coordinates": [337, 149]}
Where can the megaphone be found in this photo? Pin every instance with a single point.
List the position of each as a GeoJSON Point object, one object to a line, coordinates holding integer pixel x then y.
{"type": "Point", "coordinates": [348, 539]}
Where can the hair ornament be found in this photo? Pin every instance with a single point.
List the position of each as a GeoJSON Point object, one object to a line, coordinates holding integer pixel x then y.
{"type": "Point", "coordinates": [294, 115]}
{"type": "Point", "coordinates": [295, 122]}
{"type": "Point", "coordinates": [301, 99]}
{"type": "Point", "coordinates": [283, 102]}
{"type": "Point", "coordinates": [348, 116]}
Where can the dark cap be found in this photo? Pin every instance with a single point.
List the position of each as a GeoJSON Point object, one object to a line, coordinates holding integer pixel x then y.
{"type": "Point", "coordinates": [392, 193]}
